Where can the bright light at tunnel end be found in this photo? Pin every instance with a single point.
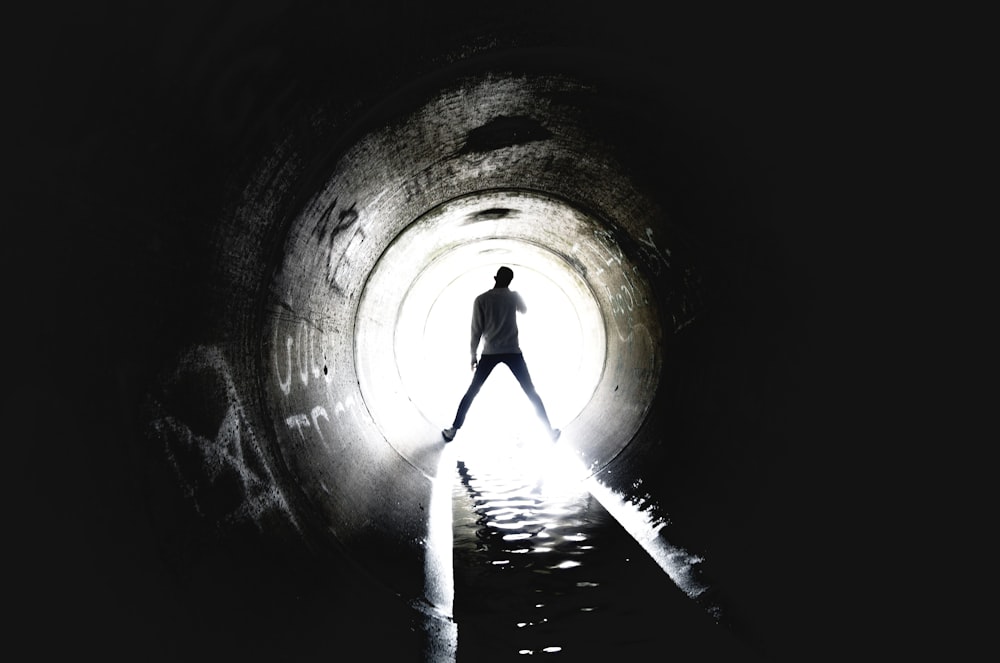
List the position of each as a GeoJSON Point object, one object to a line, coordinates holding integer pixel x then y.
{"type": "Point", "coordinates": [413, 329]}
{"type": "Point", "coordinates": [560, 338]}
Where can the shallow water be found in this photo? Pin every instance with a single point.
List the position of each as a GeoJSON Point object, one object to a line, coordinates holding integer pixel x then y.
{"type": "Point", "coordinates": [542, 569]}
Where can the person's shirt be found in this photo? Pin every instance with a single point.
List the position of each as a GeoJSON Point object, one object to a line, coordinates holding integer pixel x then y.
{"type": "Point", "coordinates": [494, 319]}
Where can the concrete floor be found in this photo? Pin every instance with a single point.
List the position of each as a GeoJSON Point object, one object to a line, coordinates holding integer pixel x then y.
{"type": "Point", "coordinates": [174, 168]}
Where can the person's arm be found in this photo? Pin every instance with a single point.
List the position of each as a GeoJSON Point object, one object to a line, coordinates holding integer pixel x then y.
{"type": "Point", "coordinates": [521, 306]}
{"type": "Point", "coordinates": [477, 330]}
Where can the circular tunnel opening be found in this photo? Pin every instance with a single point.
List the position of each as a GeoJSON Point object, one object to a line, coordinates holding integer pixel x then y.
{"type": "Point", "coordinates": [412, 341]}
{"type": "Point", "coordinates": [366, 324]}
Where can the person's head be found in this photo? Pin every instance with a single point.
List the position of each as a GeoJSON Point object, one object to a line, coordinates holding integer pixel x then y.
{"type": "Point", "coordinates": [503, 277]}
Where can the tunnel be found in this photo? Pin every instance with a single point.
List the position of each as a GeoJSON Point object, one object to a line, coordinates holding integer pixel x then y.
{"type": "Point", "coordinates": [286, 212]}
{"type": "Point", "coordinates": [501, 162]}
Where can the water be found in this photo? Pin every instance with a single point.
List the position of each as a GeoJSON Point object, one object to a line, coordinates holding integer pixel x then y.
{"type": "Point", "coordinates": [542, 569]}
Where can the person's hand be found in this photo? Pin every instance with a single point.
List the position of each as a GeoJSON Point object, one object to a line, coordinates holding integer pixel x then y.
{"type": "Point", "coordinates": [474, 363]}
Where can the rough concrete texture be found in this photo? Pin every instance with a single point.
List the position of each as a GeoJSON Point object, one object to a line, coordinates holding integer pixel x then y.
{"type": "Point", "coordinates": [228, 207]}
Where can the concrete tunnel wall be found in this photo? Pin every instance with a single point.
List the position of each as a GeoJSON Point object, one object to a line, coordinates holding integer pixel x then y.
{"type": "Point", "coordinates": [324, 368]}
{"type": "Point", "coordinates": [590, 174]}
{"type": "Point", "coordinates": [341, 456]}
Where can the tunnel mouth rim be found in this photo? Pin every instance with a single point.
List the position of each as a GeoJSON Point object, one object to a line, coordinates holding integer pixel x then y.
{"type": "Point", "coordinates": [498, 240]}
{"type": "Point", "coordinates": [521, 266]}
{"type": "Point", "coordinates": [478, 202]}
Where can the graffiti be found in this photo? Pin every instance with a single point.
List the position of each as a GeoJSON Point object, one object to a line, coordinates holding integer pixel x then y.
{"type": "Point", "coordinates": [300, 421]}
{"type": "Point", "coordinates": [613, 277]}
{"type": "Point", "coordinates": [336, 262]}
{"type": "Point", "coordinates": [328, 232]}
{"type": "Point", "coordinates": [317, 412]}
{"type": "Point", "coordinates": [607, 249]}
{"type": "Point", "coordinates": [285, 383]}
{"type": "Point", "coordinates": [621, 300]}
{"type": "Point", "coordinates": [210, 444]}
{"type": "Point", "coordinates": [303, 356]}
{"type": "Point", "coordinates": [303, 423]}
{"type": "Point", "coordinates": [654, 255]}
{"type": "Point", "coordinates": [617, 281]}
{"type": "Point", "coordinates": [308, 366]}
{"type": "Point", "coordinates": [300, 359]}
{"type": "Point", "coordinates": [345, 219]}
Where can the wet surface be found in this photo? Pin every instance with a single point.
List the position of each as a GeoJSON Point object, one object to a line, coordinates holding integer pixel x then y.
{"type": "Point", "coordinates": [543, 569]}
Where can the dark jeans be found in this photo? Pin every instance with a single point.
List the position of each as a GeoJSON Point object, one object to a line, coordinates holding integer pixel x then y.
{"type": "Point", "coordinates": [515, 362]}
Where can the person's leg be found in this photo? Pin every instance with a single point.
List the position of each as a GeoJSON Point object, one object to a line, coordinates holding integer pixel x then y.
{"type": "Point", "coordinates": [519, 368]}
{"type": "Point", "coordinates": [483, 369]}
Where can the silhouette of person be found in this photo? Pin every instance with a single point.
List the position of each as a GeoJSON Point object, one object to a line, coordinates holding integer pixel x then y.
{"type": "Point", "coordinates": [494, 321]}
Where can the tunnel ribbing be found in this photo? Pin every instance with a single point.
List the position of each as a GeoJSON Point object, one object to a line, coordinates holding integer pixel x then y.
{"type": "Point", "coordinates": [375, 191]}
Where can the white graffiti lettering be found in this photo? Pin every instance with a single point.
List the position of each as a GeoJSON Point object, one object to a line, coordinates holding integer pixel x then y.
{"type": "Point", "coordinates": [285, 383]}
{"type": "Point", "coordinates": [305, 351]}
{"type": "Point", "coordinates": [298, 422]}
{"type": "Point", "coordinates": [317, 412]}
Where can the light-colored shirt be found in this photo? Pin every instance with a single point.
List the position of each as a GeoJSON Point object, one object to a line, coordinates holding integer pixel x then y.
{"type": "Point", "coordinates": [494, 319]}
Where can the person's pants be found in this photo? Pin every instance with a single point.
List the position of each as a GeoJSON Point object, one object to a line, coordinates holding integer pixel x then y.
{"type": "Point", "coordinates": [515, 362]}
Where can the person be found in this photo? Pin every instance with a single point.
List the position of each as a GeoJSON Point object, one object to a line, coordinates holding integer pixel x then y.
{"type": "Point", "coordinates": [494, 321]}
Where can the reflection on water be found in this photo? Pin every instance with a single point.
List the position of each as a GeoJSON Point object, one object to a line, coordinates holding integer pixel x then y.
{"type": "Point", "coordinates": [541, 568]}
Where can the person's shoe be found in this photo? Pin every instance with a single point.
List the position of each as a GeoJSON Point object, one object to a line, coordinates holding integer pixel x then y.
{"type": "Point", "coordinates": [449, 434]}
{"type": "Point", "coordinates": [555, 433]}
